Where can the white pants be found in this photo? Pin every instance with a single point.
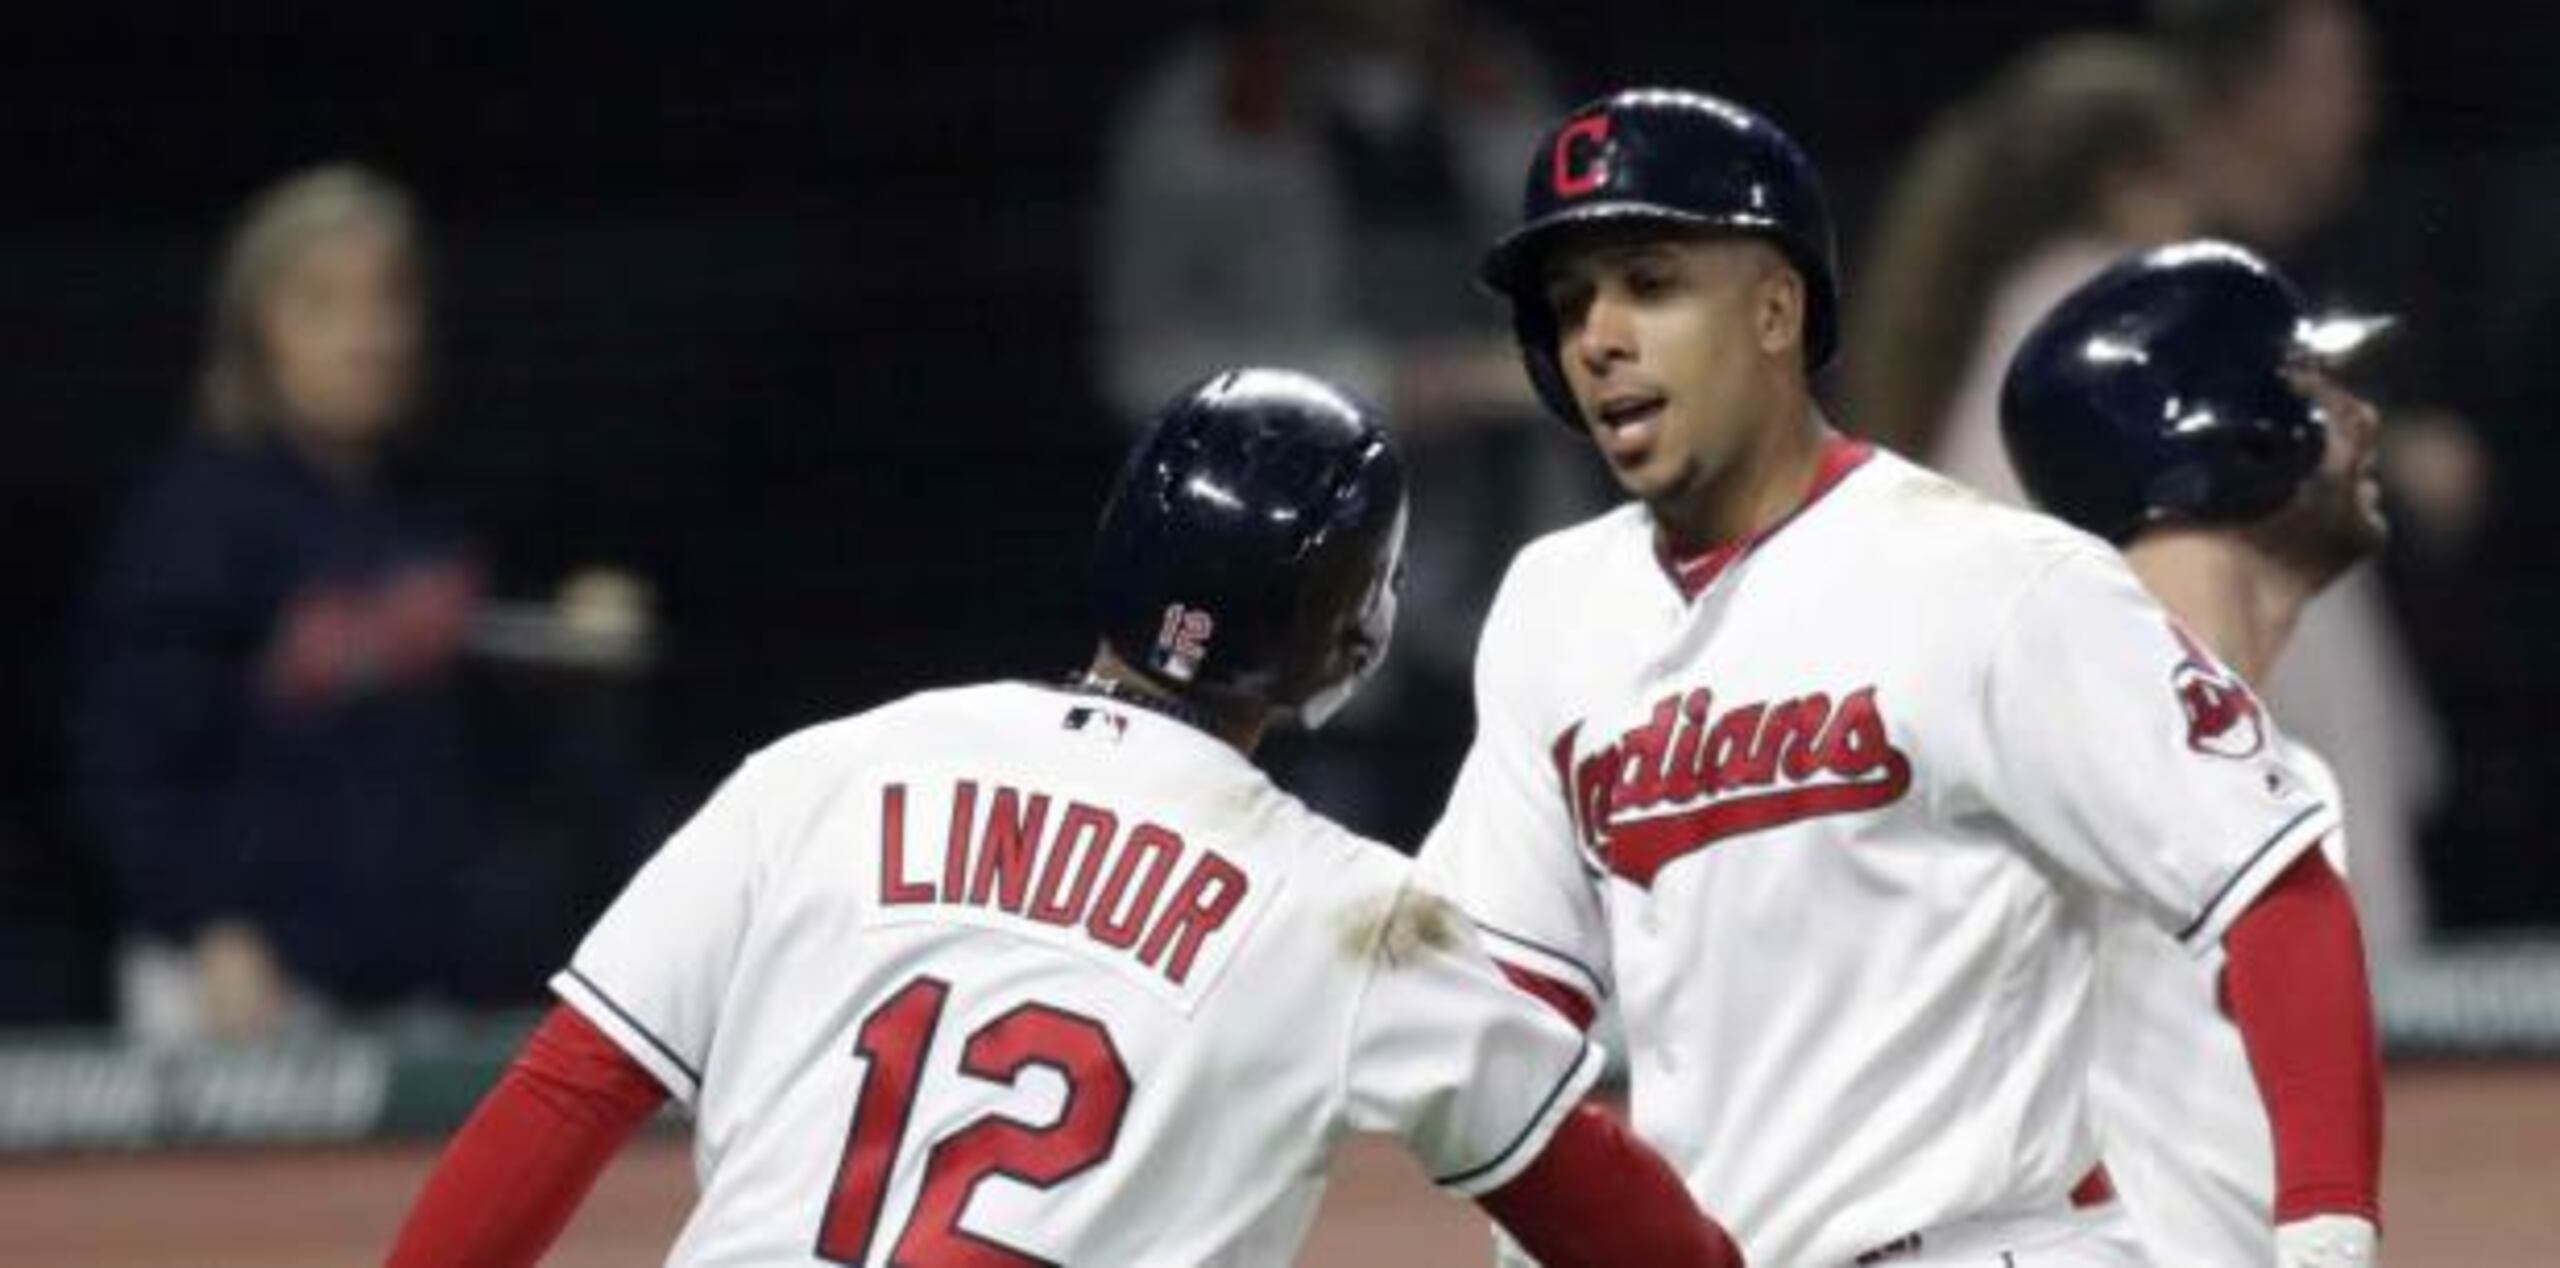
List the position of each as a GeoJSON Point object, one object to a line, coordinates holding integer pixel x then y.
{"type": "Point", "coordinates": [2093, 1237]}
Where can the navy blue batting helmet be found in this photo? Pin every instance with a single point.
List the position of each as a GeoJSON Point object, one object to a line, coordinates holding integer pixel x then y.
{"type": "Point", "coordinates": [1668, 157]}
{"type": "Point", "coordinates": [1251, 547]}
{"type": "Point", "coordinates": [2157, 391]}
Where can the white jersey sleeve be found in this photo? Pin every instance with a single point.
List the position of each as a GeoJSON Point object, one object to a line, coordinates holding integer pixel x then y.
{"type": "Point", "coordinates": [653, 971]}
{"type": "Point", "coordinates": [1505, 849]}
{"type": "Point", "coordinates": [2183, 1128]}
{"type": "Point", "coordinates": [1473, 1075]}
{"type": "Point", "coordinates": [2134, 761]}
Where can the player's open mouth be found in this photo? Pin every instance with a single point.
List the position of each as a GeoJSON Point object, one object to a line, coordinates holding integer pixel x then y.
{"type": "Point", "coordinates": [1628, 422]}
{"type": "Point", "coordinates": [1630, 409]}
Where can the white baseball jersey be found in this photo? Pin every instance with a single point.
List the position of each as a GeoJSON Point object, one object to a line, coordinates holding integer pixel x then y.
{"type": "Point", "coordinates": [1059, 979]}
{"type": "Point", "coordinates": [1837, 830]}
{"type": "Point", "coordinates": [2177, 1107]}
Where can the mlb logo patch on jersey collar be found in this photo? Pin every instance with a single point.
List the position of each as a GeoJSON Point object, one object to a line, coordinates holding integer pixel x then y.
{"type": "Point", "coordinates": [1110, 701]}
{"type": "Point", "coordinates": [1109, 724]}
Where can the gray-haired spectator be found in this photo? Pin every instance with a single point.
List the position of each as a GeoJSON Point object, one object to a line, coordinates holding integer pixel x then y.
{"type": "Point", "coordinates": [267, 747]}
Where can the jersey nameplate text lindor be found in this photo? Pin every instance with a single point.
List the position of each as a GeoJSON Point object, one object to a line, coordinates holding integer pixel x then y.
{"type": "Point", "coordinates": [1128, 886]}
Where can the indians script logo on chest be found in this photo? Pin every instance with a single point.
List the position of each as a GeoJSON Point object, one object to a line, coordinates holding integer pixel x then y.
{"type": "Point", "coordinates": [1692, 776]}
{"type": "Point", "coordinates": [2223, 718]}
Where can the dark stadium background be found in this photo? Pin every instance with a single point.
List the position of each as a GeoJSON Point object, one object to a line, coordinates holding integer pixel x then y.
{"type": "Point", "coordinates": [785, 308]}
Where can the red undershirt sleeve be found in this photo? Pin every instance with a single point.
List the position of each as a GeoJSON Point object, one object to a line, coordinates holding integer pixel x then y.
{"type": "Point", "coordinates": [2295, 985]}
{"type": "Point", "coordinates": [518, 1169]}
{"type": "Point", "coordinates": [1598, 1196]}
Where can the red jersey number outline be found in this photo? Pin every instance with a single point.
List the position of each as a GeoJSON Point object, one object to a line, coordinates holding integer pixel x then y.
{"type": "Point", "coordinates": [893, 1042]}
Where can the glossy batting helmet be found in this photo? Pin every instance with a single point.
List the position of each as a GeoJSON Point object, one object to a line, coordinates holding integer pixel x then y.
{"type": "Point", "coordinates": [1675, 158]}
{"type": "Point", "coordinates": [1252, 546]}
{"type": "Point", "coordinates": [2157, 391]}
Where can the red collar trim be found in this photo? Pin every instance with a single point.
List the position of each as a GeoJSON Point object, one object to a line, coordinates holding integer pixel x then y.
{"type": "Point", "coordinates": [1691, 576]}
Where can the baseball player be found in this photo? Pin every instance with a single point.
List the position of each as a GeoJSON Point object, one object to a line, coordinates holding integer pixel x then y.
{"type": "Point", "coordinates": [1023, 974]}
{"type": "Point", "coordinates": [2180, 405]}
{"type": "Point", "coordinates": [1823, 768]}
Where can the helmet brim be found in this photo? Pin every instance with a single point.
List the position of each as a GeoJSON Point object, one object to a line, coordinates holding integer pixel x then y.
{"type": "Point", "coordinates": [1510, 269]}
{"type": "Point", "coordinates": [2333, 339]}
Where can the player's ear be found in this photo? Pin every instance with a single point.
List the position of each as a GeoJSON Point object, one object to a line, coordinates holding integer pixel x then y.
{"type": "Point", "coordinates": [1778, 307]}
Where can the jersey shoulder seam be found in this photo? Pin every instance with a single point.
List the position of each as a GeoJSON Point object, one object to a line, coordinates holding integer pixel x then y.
{"type": "Point", "coordinates": [1556, 548]}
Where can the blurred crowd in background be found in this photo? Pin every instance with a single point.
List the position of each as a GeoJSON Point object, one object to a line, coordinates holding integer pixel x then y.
{"type": "Point", "coordinates": [441, 456]}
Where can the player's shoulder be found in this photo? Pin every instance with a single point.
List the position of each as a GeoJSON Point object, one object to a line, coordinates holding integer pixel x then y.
{"type": "Point", "coordinates": [926, 716]}
{"type": "Point", "coordinates": [1582, 559]}
{"type": "Point", "coordinates": [1343, 890]}
{"type": "Point", "coordinates": [1935, 511]}
{"type": "Point", "coordinates": [1555, 581]}
{"type": "Point", "coordinates": [1571, 551]}
{"type": "Point", "coordinates": [1340, 856]}
{"type": "Point", "coordinates": [1375, 907]}
{"type": "Point", "coordinates": [1921, 524]}
{"type": "Point", "coordinates": [1391, 926]}
{"type": "Point", "coordinates": [1340, 862]}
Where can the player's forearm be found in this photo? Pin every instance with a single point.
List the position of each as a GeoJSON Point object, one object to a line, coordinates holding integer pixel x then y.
{"type": "Point", "coordinates": [517, 1171]}
{"type": "Point", "coordinates": [2296, 987]}
{"type": "Point", "coordinates": [1598, 1196]}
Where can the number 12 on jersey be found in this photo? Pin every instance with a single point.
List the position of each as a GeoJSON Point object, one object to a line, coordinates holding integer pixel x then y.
{"type": "Point", "coordinates": [894, 1041]}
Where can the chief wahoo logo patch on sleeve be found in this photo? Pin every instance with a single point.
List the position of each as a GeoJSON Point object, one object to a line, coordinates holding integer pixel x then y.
{"type": "Point", "coordinates": [2223, 718]}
